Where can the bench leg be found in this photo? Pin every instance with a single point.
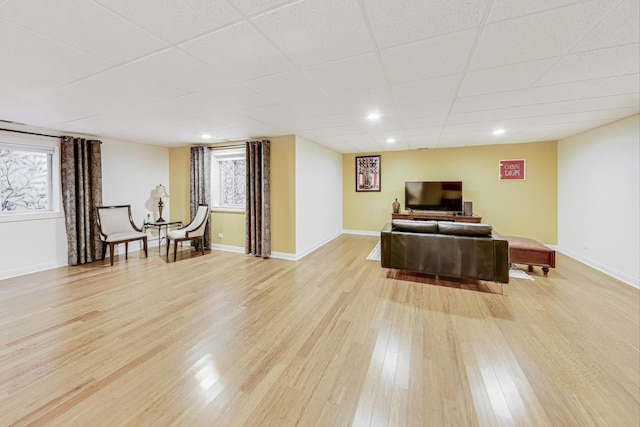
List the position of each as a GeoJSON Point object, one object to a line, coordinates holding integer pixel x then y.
{"type": "Point", "coordinates": [530, 268]}
{"type": "Point", "coordinates": [545, 270]}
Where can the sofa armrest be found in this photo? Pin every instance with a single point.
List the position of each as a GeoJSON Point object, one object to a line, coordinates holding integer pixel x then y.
{"type": "Point", "coordinates": [385, 246]}
{"type": "Point", "coordinates": [501, 253]}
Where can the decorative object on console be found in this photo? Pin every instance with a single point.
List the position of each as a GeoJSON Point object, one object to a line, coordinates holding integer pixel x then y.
{"type": "Point", "coordinates": [160, 192]}
{"type": "Point", "coordinates": [396, 206]}
{"type": "Point", "coordinates": [368, 173]}
{"type": "Point", "coordinates": [468, 208]}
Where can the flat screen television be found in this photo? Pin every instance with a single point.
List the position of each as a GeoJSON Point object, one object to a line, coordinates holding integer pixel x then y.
{"type": "Point", "coordinates": [443, 196]}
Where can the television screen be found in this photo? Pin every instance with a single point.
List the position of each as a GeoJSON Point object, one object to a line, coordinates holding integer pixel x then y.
{"type": "Point", "coordinates": [433, 196]}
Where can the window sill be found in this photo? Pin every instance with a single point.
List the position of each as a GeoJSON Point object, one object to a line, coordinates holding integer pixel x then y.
{"type": "Point", "coordinates": [227, 209]}
{"type": "Point", "coordinates": [36, 216]}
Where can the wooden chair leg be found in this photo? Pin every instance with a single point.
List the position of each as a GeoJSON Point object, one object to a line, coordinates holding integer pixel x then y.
{"type": "Point", "coordinates": [111, 245]}
{"type": "Point", "coordinates": [104, 249]}
{"type": "Point", "coordinates": [126, 250]}
{"type": "Point", "coordinates": [202, 243]}
{"type": "Point", "coordinates": [144, 242]}
{"type": "Point", "coordinates": [168, 244]}
{"type": "Point", "coordinates": [175, 250]}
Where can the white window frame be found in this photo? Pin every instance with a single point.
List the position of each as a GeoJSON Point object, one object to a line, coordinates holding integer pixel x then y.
{"type": "Point", "coordinates": [218, 156]}
{"type": "Point", "coordinates": [55, 192]}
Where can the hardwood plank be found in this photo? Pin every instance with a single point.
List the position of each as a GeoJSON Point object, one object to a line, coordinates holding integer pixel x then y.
{"type": "Point", "coordinates": [332, 339]}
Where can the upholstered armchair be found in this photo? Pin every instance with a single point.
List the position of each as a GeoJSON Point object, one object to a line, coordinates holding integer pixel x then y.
{"type": "Point", "coordinates": [116, 226]}
{"type": "Point", "coordinates": [194, 231]}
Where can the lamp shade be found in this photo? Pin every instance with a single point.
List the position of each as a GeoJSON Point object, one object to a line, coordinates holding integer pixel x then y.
{"type": "Point", "coordinates": [160, 192]}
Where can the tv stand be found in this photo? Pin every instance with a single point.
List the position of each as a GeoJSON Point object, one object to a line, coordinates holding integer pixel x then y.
{"type": "Point", "coordinates": [425, 216]}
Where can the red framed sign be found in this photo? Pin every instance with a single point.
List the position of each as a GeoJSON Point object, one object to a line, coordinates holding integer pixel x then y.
{"type": "Point", "coordinates": [511, 170]}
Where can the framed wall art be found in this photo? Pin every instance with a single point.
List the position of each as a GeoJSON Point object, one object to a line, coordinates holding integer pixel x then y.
{"type": "Point", "coordinates": [367, 173]}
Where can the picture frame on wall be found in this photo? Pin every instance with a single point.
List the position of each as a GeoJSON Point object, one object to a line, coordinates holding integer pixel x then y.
{"type": "Point", "coordinates": [367, 173]}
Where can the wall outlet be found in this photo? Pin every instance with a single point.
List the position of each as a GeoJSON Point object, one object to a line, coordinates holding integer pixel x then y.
{"type": "Point", "coordinates": [220, 236]}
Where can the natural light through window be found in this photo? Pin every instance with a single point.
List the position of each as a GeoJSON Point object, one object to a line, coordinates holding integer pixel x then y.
{"type": "Point", "coordinates": [25, 179]}
{"type": "Point", "coordinates": [228, 186]}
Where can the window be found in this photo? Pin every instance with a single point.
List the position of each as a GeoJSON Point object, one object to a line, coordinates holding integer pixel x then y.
{"type": "Point", "coordinates": [26, 179]}
{"type": "Point", "coordinates": [228, 186]}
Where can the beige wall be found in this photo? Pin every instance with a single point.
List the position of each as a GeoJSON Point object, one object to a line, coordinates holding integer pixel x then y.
{"type": "Point", "coordinates": [232, 224]}
{"type": "Point", "coordinates": [527, 208]}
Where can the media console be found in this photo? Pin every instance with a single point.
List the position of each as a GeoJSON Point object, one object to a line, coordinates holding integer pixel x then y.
{"type": "Point", "coordinates": [425, 216]}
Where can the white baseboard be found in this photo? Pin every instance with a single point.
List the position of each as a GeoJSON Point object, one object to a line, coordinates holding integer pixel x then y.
{"type": "Point", "coordinates": [227, 248]}
{"type": "Point", "coordinates": [33, 269]}
{"type": "Point", "coordinates": [307, 251]}
{"type": "Point", "coordinates": [362, 232]}
{"type": "Point", "coordinates": [631, 281]}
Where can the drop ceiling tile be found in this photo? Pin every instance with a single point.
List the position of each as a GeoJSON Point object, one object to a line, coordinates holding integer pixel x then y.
{"type": "Point", "coordinates": [365, 101]}
{"type": "Point", "coordinates": [323, 106]}
{"type": "Point", "coordinates": [427, 59]}
{"type": "Point", "coordinates": [323, 121]}
{"type": "Point", "coordinates": [360, 72]}
{"type": "Point", "coordinates": [83, 25]}
{"type": "Point", "coordinates": [608, 62]}
{"type": "Point", "coordinates": [240, 52]}
{"type": "Point", "coordinates": [506, 9]}
{"type": "Point", "coordinates": [422, 141]}
{"type": "Point", "coordinates": [627, 84]}
{"type": "Point", "coordinates": [178, 69]}
{"type": "Point", "coordinates": [421, 122]}
{"type": "Point", "coordinates": [504, 78]}
{"type": "Point", "coordinates": [424, 110]}
{"type": "Point", "coordinates": [115, 89]}
{"type": "Point", "coordinates": [175, 21]}
{"type": "Point", "coordinates": [489, 101]}
{"type": "Point", "coordinates": [606, 103]}
{"type": "Point", "coordinates": [33, 63]}
{"type": "Point", "coordinates": [423, 91]}
{"type": "Point", "coordinates": [311, 32]}
{"type": "Point", "coordinates": [396, 23]}
{"type": "Point", "coordinates": [557, 92]}
{"type": "Point", "coordinates": [542, 35]}
{"type": "Point", "coordinates": [250, 7]}
{"type": "Point", "coordinates": [274, 114]}
{"type": "Point", "coordinates": [285, 87]}
{"type": "Point", "coordinates": [327, 132]}
{"type": "Point", "coordinates": [621, 26]}
{"type": "Point", "coordinates": [455, 139]}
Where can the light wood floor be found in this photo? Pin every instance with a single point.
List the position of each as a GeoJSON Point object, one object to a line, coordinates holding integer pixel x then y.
{"type": "Point", "coordinates": [333, 339]}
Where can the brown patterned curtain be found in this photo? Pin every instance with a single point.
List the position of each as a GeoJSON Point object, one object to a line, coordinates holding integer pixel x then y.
{"type": "Point", "coordinates": [81, 169]}
{"type": "Point", "coordinates": [201, 185]}
{"type": "Point", "coordinates": [258, 199]}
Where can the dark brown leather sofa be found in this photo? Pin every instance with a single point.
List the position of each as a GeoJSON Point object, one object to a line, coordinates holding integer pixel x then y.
{"type": "Point", "coordinates": [453, 249]}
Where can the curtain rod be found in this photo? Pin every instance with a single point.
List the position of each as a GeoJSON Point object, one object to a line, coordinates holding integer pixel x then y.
{"type": "Point", "coordinates": [29, 133]}
{"type": "Point", "coordinates": [215, 147]}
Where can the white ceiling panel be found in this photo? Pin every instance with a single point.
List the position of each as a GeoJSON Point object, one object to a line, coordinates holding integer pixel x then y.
{"type": "Point", "coordinates": [360, 72]}
{"type": "Point", "coordinates": [504, 78]}
{"type": "Point", "coordinates": [400, 22]}
{"type": "Point", "coordinates": [103, 33]}
{"type": "Point", "coordinates": [240, 52]}
{"type": "Point", "coordinates": [286, 87]}
{"type": "Point", "coordinates": [507, 9]}
{"type": "Point", "coordinates": [621, 26]}
{"type": "Point", "coordinates": [310, 32]}
{"type": "Point", "coordinates": [423, 91]}
{"type": "Point", "coordinates": [250, 7]}
{"type": "Point", "coordinates": [609, 62]}
{"type": "Point", "coordinates": [175, 21]}
{"type": "Point", "coordinates": [542, 35]}
{"type": "Point", "coordinates": [440, 73]}
{"type": "Point", "coordinates": [427, 59]}
{"type": "Point", "coordinates": [178, 69]}
{"type": "Point", "coordinates": [116, 88]}
{"type": "Point", "coordinates": [33, 63]}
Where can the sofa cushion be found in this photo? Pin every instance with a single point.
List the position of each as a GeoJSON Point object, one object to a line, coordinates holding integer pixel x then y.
{"type": "Point", "coordinates": [410, 226]}
{"type": "Point", "coordinates": [464, 229]}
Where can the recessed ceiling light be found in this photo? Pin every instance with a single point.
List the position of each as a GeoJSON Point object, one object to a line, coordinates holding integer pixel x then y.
{"type": "Point", "coordinates": [391, 140]}
{"type": "Point", "coordinates": [373, 116]}
{"type": "Point", "coordinates": [498, 131]}
{"type": "Point", "coordinates": [205, 136]}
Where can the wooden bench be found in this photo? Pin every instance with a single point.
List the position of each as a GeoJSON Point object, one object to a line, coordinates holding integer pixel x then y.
{"type": "Point", "coordinates": [531, 252]}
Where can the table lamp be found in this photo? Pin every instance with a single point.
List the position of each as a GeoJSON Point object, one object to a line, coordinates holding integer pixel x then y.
{"type": "Point", "coordinates": [160, 192]}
